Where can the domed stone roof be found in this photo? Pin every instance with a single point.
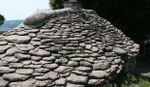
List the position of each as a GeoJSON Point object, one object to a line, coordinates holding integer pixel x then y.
{"type": "Point", "coordinates": [64, 48]}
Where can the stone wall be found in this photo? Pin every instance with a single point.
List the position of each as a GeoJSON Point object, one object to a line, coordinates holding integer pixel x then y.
{"type": "Point", "coordinates": [73, 48]}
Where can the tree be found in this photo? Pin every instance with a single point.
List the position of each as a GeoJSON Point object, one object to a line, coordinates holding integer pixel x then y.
{"type": "Point", "coordinates": [2, 19]}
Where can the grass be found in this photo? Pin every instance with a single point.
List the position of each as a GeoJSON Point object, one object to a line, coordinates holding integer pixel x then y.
{"type": "Point", "coordinates": [126, 79]}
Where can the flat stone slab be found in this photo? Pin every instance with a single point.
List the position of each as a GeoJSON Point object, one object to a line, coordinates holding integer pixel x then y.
{"type": "Point", "coordinates": [18, 39]}
{"type": "Point", "coordinates": [15, 77]}
{"type": "Point", "coordinates": [73, 78]}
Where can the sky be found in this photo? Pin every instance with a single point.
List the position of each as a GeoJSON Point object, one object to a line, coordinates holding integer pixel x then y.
{"type": "Point", "coordinates": [20, 9]}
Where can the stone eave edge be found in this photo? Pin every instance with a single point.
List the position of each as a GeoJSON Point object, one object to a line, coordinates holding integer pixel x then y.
{"type": "Point", "coordinates": [39, 18]}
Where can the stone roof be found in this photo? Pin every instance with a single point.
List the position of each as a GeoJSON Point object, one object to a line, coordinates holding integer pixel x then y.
{"type": "Point", "coordinates": [64, 48]}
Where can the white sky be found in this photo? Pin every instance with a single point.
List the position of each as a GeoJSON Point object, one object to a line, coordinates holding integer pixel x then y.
{"type": "Point", "coordinates": [20, 9]}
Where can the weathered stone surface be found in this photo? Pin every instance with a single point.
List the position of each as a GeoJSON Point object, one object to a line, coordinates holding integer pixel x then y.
{"type": "Point", "coordinates": [74, 85]}
{"type": "Point", "coordinates": [25, 71]}
{"type": "Point", "coordinates": [60, 82]}
{"type": "Point", "coordinates": [25, 47]}
{"type": "Point", "coordinates": [18, 39]}
{"type": "Point", "coordinates": [16, 65]}
{"type": "Point", "coordinates": [94, 49]}
{"type": "Point", "coordinates": [82, 68]}
{"type": "Point", "coordinates": [3, 43]}
{"type": "Point", "coordinates": [3, 48]}
{"type": "Point", "coordinates": [15, 77]}
{"type": "Point", "coordinates": [73, 63]}
{"type": "Point", "coordinates": [40, 52]}
{"type": "Point", "coordinates": [80, 72]}
{"type": "Point", "coordinates": [36, 58]}
{"type": "Point", "coordinates": [28, 83]}
{"type": "Point", "coordinates": [6, 70]}
{"type": "Point", "coordinates": [63, 69]}
{"type": "Point", "coordinates": [12, 50]}
{"type": "Point", "coordinates": [88, 47]}
{"type": "Point", "coordinates": [10, 59]}
{"type": "Point", "coordinates": [101, 66]}
{"type": "Point", "coordinates": [50, 66]}
{"type": "Point", "coordinates": [73, 78]}
{"type": "Point", "coordinates": [3, 83]}
{"type": "Point", "coordinates": [42, 70]}
{"type": "Point", "coordinates": [120, 51]}
{"type": "Point", "coordinates": [22, 56]}
{"type": "Point", "coordinates": [64, 48]}
{"type": "Point", "coordinates": [61, 61]}
{"type": "Point", "coordinates": [40, 83]}
{"type": "Point", "coordinates": [96, 81]}
{"type": "Point", "coordinates": [52, 75]}
{"type": "Point", "coordinates": [51, 58]}
{"type": "Point", "coordinates": [98, 74]}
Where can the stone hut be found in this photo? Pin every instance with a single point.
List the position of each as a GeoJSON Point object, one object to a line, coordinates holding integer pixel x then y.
{"type": "Point", "coordinates": [70, 47]}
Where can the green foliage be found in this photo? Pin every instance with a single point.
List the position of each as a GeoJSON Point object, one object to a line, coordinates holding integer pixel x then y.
{"type": "Point", "coordinates": [56, 4]}
{"type": "Point", "coordinates": [126, 79]}
{"type": "Point", "coordinates": [2, 19]}
{"type": "Point", "coordinates": [57, 57]}
{"type": "Point", "coordinates": [1, 32]}
{"type": "Point", "coordinates": [80, 49]}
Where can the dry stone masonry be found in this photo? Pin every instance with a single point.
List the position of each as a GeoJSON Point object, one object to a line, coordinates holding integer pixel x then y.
{"type": "Point", "coordinates": [64, 48]}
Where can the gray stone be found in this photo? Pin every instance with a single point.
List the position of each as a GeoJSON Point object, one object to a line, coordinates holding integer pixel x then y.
{"type": "Point", "coordinates": [25, 47]}
{"type": "Point", "coordinates": [94, 49]}
{"type": "Point", "coordinates": [22, 56]}
{"type": "Point", "coordinates": [51, 58]}
{"type": "Point", "coordinates": [15, 65]}
{"type": "Point", "coordinates": [36, 58]}
{"type": "Point", "coordinates": [97, 74]}
{"type": "Point", "coordinates": [80, 72]}
{"type": "Point", "coordinates": [3, 83]}
{"type": "Point", "coordinates": [10, 59]}
{"type": "Point", "coordinates": [50, 66]}
{"type": "Point", "coordinates": [52, 75]}
{"type": "Point", "coordinates": [89, 47]}
{"type": "Point", "coordinates": [73, 63]}
{"type": "Point", "coordinates": [4, 63]}
{"type": "Point", "coordinates": [42, 70]}
{"type": "Point", "coordinates": [22, 33]}
{"type": "Point", "coordinates": [18, 39]}
{"type": "Point", "coordinates": [74, 85]}
{"type": "Point", "coordinates": [15, 77]}
{"type": "Point", "coordinates": [12, 51]}
{"type": "Point", "coordinates": [82, 68]}
{"type": "Point", "coordinates": [40, 52]}
{"type": "Point", "coordinates": [32, 21]}
{"type": "Point", "coordinates": [73, 78]}
{"type": "Point", "coordinates": [32, 30]}
{"type": "Point", "coordinates": [3, 48]}
{"type": "Point", "coordinates": [3, 43]}
{"type": "Point", "coordinates": [101, 66]}
{"type": "Point", "coordinates": [32, 35]}
{"type": "Point", "coordinates": [63, 69]}
{"type": "Point", "coordinates": [32, 66]}
{"type": "Point", "coordinates": [61, 61]}
{"type": "Point", "coordinates": [27, 83]}
{"type": "Point", "coordinates": [86, 64]}
{"type": "Point", "coordinates": [6, 70]}
{"type": "Point", "coordinates": [120, 51]}
{"type": "Point", "coordinates": [60, 82]}
{"type": "Point", "coordinates": [96, 81]}
{"type": "Point", "coordinates": [41, 84]}
{"type": "Point", "coordinates": [25, 71]}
